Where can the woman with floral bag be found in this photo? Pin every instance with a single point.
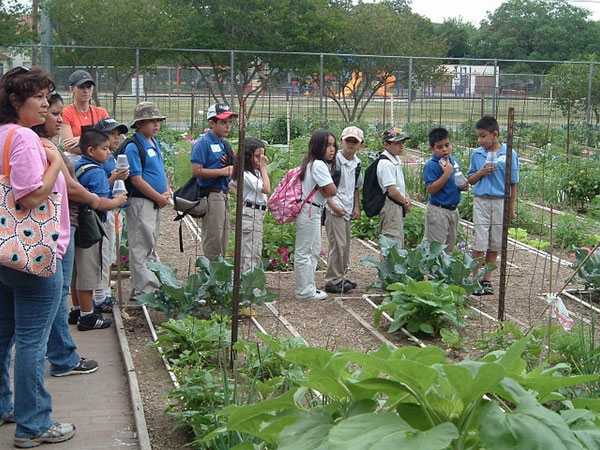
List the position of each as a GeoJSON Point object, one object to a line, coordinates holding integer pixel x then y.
{"type": "Point", "coordinates": [28, 302]}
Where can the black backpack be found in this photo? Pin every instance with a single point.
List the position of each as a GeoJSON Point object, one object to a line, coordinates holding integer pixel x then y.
{"type": "Point", "coordinates": [373, 199]}
{"type": "Point", "coordinates": [90, 229]}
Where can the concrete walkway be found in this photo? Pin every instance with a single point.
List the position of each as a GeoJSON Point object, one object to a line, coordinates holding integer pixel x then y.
{"type": "Point", "coordinates": [99, 404]}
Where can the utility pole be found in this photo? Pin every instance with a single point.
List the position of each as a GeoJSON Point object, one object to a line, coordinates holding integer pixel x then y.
{"type": "Point", "coordinates": [35, 24]}
{"type": "Point", "coordinates": [47, 39]}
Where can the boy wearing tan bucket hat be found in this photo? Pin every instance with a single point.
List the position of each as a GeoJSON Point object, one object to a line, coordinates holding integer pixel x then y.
{"type": "Point", "coordinates": [149, 192]}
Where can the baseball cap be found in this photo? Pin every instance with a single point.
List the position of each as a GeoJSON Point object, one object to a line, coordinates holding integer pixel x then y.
{"type": "Point", "coordinates": [109, 124]}
{"type": "Point", "coordinates": [354, 132]}
{"type": "Point", "coordinates": [394, 134]}
{"type": "Point", "coordinates": [79, 77]}
{"type": "Point", "coordinates": [146, 111]}
{"type": "Point", "coordinates": [220, 111]}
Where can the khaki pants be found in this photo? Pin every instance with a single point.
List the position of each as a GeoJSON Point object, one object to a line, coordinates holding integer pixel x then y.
{"type": "Point", "coordinates": [252, 237]}
{"type": "Point", "coordinates": [392, 222]}
{"type": "Point", "coordinates": [441, 225]}
{"type": "Point", "coordinates": [215, 225]}
{"type": "Point", "coordinates": [143, 224]}
{"type": "Point", "coordinates": [338, 238]}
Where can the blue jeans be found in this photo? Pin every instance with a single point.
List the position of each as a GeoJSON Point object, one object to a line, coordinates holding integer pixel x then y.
{"type": "Point", "coordinates": [28, 306]}
{"type": "Point", "coordinates": [62, 351]}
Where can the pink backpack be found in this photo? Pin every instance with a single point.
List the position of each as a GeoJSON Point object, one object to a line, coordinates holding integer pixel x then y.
{"type": "Point", "coordinates": [286, 202]}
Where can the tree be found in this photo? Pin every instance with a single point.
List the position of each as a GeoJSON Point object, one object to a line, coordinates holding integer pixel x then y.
{"type": "Point", "coordinates": [569, 83]}
{"type": "Point", "coordinates": [537, 29]}
{"type": "Point", "coordinates": [379, 29]}
{"type": "Point", "coordinates": [459, 35]}
{"type": "Point", "coordinates": [257, 27]}
{"type": "Point", "coordinates": [14, 28]}
{"type": "Point", "coordinates": [114, 23]}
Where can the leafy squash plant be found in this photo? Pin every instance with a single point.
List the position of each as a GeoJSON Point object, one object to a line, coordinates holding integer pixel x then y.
{"type": "Point", "coordinates": [589, 274]}
{"type": "Point", "coordinates": [208, 291]}
{"type": "Point", "coordinates": [412, 398]}
{"type": "Point", "coordinates": [423, 306]}
{"type": "Point", "coordinates": [426, 261]}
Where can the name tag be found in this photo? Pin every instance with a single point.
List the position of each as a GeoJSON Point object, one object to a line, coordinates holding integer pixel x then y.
{"type": "Point", "coordinates": [501, 159]}
{"type": "Point", "coordinates": [151, 152]}
{"type": "Point", "coordinates": [216, 148]}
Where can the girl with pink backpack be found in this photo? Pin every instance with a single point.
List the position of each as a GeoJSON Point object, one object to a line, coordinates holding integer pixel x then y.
{"type": "Point", "coordinates": [317, 185]}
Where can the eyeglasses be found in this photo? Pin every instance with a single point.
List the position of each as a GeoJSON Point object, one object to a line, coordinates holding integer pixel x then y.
{"type": "Point", "coordinates": [226, 123]}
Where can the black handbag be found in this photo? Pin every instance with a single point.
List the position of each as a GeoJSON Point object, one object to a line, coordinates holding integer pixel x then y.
{"type": "Point", "coordinates": [191, 199]}
{"type": "Point", "coordinates": [90, 229]}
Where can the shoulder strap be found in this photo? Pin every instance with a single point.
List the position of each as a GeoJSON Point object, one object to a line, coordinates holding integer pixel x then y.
{"type": "Point", "coordinates": [84, 168]}
{"type": "Point", "coordinates": [138, 144]}
{"type": "Point", "coordinates": [7, 150]}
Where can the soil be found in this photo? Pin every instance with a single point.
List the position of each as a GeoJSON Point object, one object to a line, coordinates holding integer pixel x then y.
{"type": "Point", "coordinates": [330, 324]}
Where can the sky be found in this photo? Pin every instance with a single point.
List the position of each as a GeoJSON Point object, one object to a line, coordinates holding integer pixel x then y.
{"type": "Point", "coordinates": [475, 10]}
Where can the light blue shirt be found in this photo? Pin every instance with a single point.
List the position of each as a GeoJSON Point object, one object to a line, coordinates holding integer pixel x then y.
{"type": "Point", "coordinates": [492, 185]}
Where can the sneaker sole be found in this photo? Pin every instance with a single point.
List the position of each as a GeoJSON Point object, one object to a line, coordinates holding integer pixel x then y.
{"type": "Point", "coordinates": [30, 443]}
{"type": "Point", "coordinates": [74, 372]}
{"type": "Point", "coordinates": [99, 325]}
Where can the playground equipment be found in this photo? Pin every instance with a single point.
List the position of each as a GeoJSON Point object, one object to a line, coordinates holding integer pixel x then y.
{"type": "Point", "coordinates": [356, 79]}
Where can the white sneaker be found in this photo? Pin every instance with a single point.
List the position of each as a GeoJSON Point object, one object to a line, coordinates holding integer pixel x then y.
{"type": "Point", "coordinates": [319, 295]}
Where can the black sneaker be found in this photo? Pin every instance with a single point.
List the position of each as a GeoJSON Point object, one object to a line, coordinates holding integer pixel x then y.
{"type": "Point", "coordinates": [485, 288]}
{"type": "Point", "coordinates": [74, 316]}
{"type": "Point", "coordinates": [93, 321]}
{"type": "Point", "coordinates": [83, 367]}
{"type": "Point", "coordinates": [106, 306]}
{"type": "Point", "coordinates": [58, 432]}
{"type": "Point", "coordinates": [339, 288]}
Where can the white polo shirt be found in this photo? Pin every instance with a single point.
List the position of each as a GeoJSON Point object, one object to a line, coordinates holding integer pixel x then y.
{"type": "Point", "coordinates": [253, 186]}
{"type": "Point", "coordinates": [389, 172]}
{"type": "Point", "coordinates": [317, 173]}
{"type": "Point", "coordinates": [345, 191]}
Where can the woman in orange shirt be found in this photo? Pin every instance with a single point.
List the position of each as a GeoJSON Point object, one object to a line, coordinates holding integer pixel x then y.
{"type": "Point", "coordinates": [80, 113]}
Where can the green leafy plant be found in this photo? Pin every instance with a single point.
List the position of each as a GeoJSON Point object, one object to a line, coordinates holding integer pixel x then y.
{"type": "Point", "coordinates": [206, 292]}
{"type": "Point", "coordinates": [422, 306]}
{"type": "Point", "coordinates": [589, 273]}
{"type": "Point", "coordinates": [424, 262]}
{"type": "Point", "coordinates": [411, 398]}
{"type": "Point", "coordinates": [452, 338]}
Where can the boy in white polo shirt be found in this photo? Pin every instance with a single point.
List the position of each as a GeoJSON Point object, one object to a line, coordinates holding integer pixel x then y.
{"type": "Point", "coordinates": [341, 208]}
{"type": "Point", "coordinates": [391, 182]}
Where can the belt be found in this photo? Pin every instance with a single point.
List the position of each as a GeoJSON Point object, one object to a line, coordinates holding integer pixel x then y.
{"type": "Point", "coordinates": [448, 207]}
{"type": "Point", "coordinates": [255, 206]}
{"type": "Point", "coordinates": [314, 204]}
{"type": "Point", "coordinates": [216, 190]}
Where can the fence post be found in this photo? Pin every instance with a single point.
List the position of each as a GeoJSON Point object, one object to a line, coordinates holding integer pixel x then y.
{"type": "Point", "coordinates": [46, 40]}
{"type": "Point", "coordinates": [588, 116]}
{"type": "Point", "coordinates": [496, 87]}
{"type": "Point", "coordinates": [137, 76]}
{"type": "Point", "coordinates": [232, 65]}
{"type": "Point", "coordinates": [322, 83]}
{"type": "Point", "coordinates": [410, 88]}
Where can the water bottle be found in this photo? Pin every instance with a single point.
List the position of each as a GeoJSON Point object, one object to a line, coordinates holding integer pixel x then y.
{"type": "Point", "coordinates": [119, 187]}
{"type": "Point", "coordinates": [460, 179]}
{"type": "Point", "coordinates": [122, 163]}
{"type": "Point", "coordinates": [492, 159]}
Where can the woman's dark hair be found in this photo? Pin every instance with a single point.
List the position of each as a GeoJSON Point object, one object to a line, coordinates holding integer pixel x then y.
{"type": "Point", "coordinates": [17, 85]}
{"type": "Point", "coordinates": [250, 146]}
{"type": "Point", "coordinates": [40, 130]}
{"type": "Point", "coordinates": [316, 150]}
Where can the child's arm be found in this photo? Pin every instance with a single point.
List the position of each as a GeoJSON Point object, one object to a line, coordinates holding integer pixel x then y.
{"type": "Point", "coordinates": [233, 187]}
{"type": "Point", "coordinates": [447, 171]}
{"type": "Point", "coordinates": [485, 170]}
{"type": "Point", "coordinates": [200, 172]}
{"type": "Point", "coordinates": [161, 199]}
{"type": "Point", "coordinates": [265, 176]}
{"type": "Point", "coordinates": [108, 204]}
{"type": "Point", "coordinates": [394, 194]}
{"type": "Point", "coordinates": [356, 211]}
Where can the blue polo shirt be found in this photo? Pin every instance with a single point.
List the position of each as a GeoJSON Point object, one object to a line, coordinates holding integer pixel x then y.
{"type": "Point", "coordinates": [94, 180]}
{"type": "Point", "coordinates": [109, 165]}
{"type": "Point", "coordinates": [208, 151]}
{"type": "Point", "coordinates": [154, 170]}
{"type": "Point", "coordinates": [449, 194]}
{"type": "Point", "coordinates": [492, 185]}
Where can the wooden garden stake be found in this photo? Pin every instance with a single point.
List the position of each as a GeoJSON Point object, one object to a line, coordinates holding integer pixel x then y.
{"type": "Point", "coordinates": [507, 194]}
{"type": "Point", "coordinates": [237, 260]}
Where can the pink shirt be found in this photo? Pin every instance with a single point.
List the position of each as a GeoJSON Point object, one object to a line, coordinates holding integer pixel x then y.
{"type": "Point", "coordinates": [28, 163]}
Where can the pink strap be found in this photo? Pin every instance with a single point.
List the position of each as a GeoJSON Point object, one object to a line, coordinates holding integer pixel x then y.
{"type": "Point", "coordinates": [7, 151]}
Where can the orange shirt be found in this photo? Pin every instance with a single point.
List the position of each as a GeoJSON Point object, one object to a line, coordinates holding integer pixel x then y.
{"type": "Point", "coordinates": [76, 119]}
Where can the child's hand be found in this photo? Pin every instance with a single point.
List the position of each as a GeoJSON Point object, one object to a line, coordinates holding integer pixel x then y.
{"type": "Point", "coordinates": [163, 199]}
{"type": "Point", "coordinates": [340, 212]}
{"type": "Point", "coordinates": [121, 174]}
{"type": "Point", "coordinates": [122, 198]}
{"type": "Point", "coordinates": [486, 170]}
{"type": "Point", "coordinates": [227, 171]}
{"type": "Point", "coordinates": [447, 168]}
{"type": "Point", "coordinates": [356, 213]}
{"type": "Point", "coordinates": [264, 161]}
{"type": "Point", "coordinates": [407, 202]}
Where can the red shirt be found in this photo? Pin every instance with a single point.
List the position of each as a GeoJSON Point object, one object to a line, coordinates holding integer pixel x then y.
{"type": "Point", "coordinates": [76, 119]}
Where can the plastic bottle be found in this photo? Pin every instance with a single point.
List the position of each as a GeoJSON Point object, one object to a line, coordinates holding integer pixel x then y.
{"type": "Point", "coordinates": [492, 159]}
